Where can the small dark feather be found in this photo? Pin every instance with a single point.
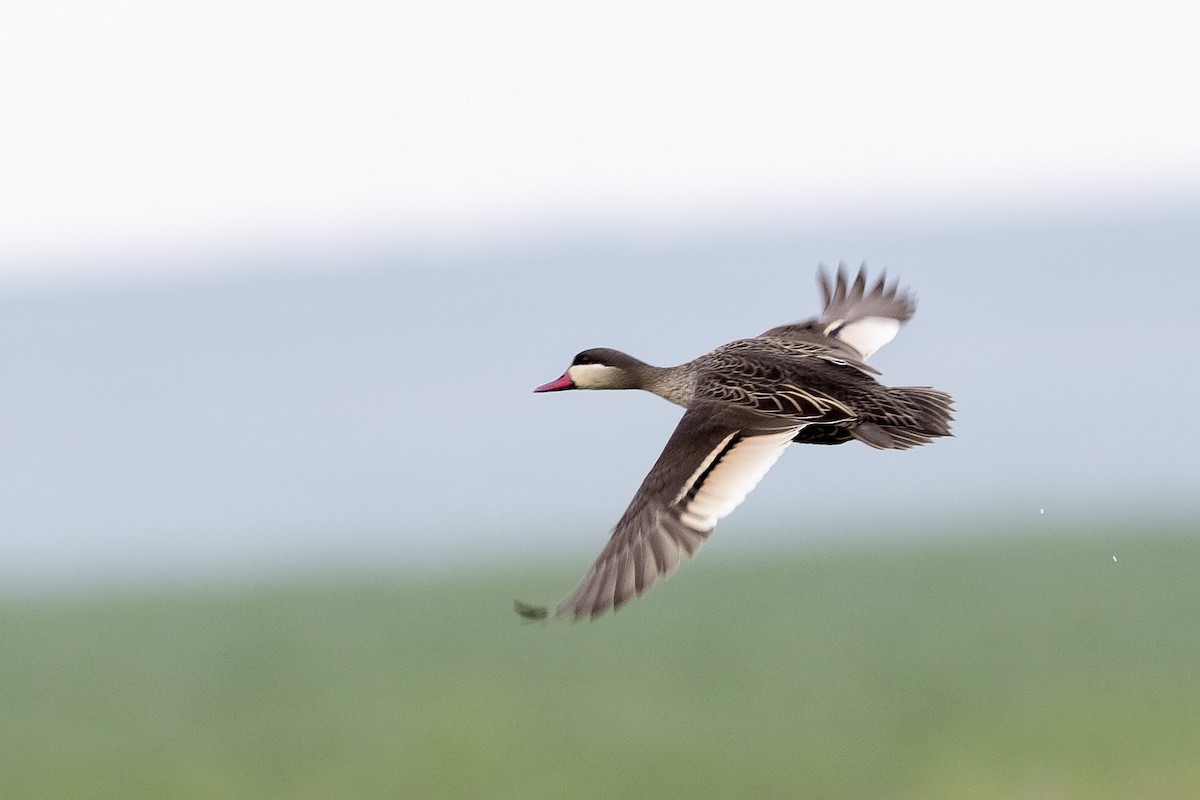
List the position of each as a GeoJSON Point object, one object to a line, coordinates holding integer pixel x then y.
{"type": "Point", "coordinates": [530, 613]}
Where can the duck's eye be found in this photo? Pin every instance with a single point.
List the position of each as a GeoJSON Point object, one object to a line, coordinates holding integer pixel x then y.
{"type": "Point", "coordinates": [584, 358]}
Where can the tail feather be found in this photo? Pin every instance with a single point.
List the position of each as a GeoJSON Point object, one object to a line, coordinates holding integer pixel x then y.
{"type": "Point", "coordinates": [915, 415]}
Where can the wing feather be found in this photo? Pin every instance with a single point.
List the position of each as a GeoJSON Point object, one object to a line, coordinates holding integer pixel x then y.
{"type": "Point", "coordinates": [705, 471]}
{"type": "Point", "coordinates": [861, 318]}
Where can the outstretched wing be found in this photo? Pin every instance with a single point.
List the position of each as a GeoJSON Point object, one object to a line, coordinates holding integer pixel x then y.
{"type": "Point", "coordinates": [864, 319]}
{"type": "Point", "coordinates": [711, 462]}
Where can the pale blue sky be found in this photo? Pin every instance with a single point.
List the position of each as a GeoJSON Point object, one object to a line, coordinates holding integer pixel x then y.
{"type": "Point", "coordinates": [380, 410]}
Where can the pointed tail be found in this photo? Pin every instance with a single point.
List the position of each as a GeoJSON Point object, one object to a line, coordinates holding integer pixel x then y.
{"type": "Point", "coordinates": [915, 416]}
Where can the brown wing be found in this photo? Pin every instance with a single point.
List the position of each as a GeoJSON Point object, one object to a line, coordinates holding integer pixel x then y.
{"type": "Point", "coordinates": [713, 459]}
{"type": "Point", "coordinates": [860, 318]}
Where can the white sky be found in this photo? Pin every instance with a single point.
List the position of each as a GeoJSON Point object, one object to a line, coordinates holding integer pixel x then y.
{"type": "Point", "coordinates": [134, 127]}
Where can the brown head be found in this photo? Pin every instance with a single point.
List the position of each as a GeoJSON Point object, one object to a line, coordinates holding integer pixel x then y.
{"type": "Point", "coordinates": [600, 368]}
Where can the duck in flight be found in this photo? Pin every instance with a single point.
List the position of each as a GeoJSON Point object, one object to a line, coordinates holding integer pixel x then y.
{"type": "Point", "coordinates": [746, 401]}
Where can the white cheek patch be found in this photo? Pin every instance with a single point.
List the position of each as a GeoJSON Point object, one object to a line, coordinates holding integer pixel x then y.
{"type": "Point", "coordinates": [591, 376]}
{"type": "Point", "coordinates": [866, 335]}
{"type": "Point", "coordinates": [729, 473]}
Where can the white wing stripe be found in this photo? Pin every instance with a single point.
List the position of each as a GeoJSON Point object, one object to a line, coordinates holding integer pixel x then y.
{"type": "Point", "coordinates": [687, 487]}
{"type": "Point", "coordinates": [866, 335]}
{"type": "Point", "coordinates": [728, 483]}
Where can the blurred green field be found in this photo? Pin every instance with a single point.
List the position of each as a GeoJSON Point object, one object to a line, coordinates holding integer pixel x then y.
{"type": "Point", "coordinates": [1000, 668]}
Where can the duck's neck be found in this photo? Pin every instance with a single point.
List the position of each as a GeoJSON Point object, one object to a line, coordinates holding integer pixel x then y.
{"type": "Point", "coordinates": [676, 384]}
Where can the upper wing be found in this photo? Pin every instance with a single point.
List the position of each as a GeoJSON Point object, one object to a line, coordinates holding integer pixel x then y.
{"type": "Point", "coordinates": [711, 462]}
{"type": "Point", "coordinates": [863, 319]}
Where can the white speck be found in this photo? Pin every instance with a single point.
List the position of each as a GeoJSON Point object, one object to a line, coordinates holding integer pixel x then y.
{"type": "Point", "coordinates": [1114, 558]}
{"type": "Point", "coordinates": [1041, 511]}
